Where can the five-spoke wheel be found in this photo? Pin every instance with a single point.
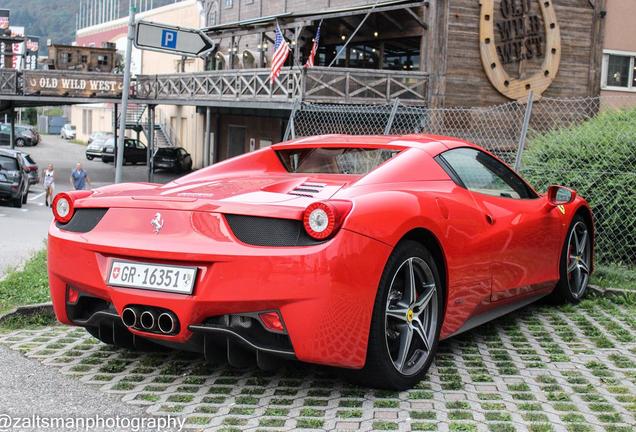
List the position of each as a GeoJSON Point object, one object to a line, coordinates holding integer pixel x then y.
{"type": "Point", "coordinates": [406, 319]}
{"type": "Point", "coordinates": [411, 315]}
{"type": "Point", "coordinates": [576, 263]}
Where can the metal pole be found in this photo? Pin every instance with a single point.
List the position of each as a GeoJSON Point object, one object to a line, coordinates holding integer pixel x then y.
{"type": "Point", "coordinates": [115, 122]}
{"type": "Point", "coordinates": [151, 143]}
{"type": "Point", "coordinates": [524, 132]}
{"type": "Point", "coordinates": [124, 97]}
{"type": "Point", "coordinates": [389, 123]}
{"type": "Point", "coordinates": [12, 127]}
{"type": "Point", "coordinates": [291, 130]}
{"type": "Point", "coordinates": [206, 141]}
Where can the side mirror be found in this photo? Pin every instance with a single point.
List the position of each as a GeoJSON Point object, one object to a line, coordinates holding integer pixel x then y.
{"type": "Point", "coordinates": [560, 195]}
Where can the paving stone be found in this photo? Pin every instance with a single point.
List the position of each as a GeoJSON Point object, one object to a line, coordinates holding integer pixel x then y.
{"type": "Point", "coordinates": [564, 369]}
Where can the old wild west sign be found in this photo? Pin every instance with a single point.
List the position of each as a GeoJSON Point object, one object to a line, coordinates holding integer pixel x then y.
{"type": "Point", "coordinates": [74, 84]}
{"type": "Point", "coordinates": [520, 46]}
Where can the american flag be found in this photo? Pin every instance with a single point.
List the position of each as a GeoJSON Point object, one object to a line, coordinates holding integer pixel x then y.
{"type": "Point", "coordinates": [314, 50]}
{"type": "Point", "coordinates": [281, 52]}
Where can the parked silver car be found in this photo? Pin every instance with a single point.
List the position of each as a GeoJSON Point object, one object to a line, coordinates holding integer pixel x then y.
{"type": "Point", "coordinates": [68, 131]}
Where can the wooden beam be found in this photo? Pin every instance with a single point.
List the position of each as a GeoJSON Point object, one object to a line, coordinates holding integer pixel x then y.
{"type": "Point", "coordinates": [305, 20]}
{"type": "Point", "coordinates": [416, 18]}
{"type": "Point", "coordinates": [392, 20]}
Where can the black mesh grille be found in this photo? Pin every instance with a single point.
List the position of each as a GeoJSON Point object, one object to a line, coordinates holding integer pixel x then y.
{"type": "Point", "coordinates": [261, 231]}
{"type": "Point", "coordinates": [84, 220]}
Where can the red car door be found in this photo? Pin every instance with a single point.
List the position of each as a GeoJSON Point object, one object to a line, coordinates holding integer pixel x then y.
{"type": "Point", "coordinates": [523, 233]}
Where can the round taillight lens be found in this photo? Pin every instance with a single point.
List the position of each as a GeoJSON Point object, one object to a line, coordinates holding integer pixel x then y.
{"type": "Point", "coordinates": [319, 220]}
{"type": "Point", "coordinates": [63, 208]}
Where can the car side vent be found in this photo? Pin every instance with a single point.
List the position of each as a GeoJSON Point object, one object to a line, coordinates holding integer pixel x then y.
{"type": "Point", "coordinates": [307, 189]}
{"type": "Point", "coordinates": [264, 231]}
{"type": "Point", "coordinates": [84, 220]}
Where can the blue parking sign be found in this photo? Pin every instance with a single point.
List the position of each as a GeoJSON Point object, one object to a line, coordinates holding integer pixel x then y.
{"type": "Point", "coordinates": [169, 39]}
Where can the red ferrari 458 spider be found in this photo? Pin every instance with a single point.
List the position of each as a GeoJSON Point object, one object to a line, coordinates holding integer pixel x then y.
{"type": "Point", "coordinates": [360, 252]}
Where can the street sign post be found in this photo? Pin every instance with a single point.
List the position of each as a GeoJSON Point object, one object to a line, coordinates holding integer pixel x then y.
{"type": "Point", "coordinates": [173, 40]}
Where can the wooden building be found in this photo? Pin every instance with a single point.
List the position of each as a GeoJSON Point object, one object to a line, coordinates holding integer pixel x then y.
{"type": "Point", "coordinates": [81, 58]}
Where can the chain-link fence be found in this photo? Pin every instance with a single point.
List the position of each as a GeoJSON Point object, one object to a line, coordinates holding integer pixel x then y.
{"type": "Point", "coordinates": [588, 144]}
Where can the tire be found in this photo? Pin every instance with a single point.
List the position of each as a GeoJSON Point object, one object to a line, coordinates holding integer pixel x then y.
{"type": "Point", "coordinates": [25, 197]}
{"type": "Point", "coordinates": [17, 202]}
{"type": "Point", "coordinates": [575, 264]}
{"type": "Point", "coordinates": [89, 157]}
{"type": "Point", "coordinates": [384, 367]}
{"type": "Point", "coordinates": [20, 142]}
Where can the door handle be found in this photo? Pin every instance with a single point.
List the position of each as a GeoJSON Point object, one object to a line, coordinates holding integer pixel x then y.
{"type": "Point", "coordinates": [490, 219]}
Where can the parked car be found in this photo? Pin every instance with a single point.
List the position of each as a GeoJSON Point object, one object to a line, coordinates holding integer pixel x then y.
{"type": "Point", "coordinates": [99, 135]}
{"type": "Point", "coordinates": [96, 147]}
{"type": "Point", "coordinates": [361, 252]}
{"type": "Point", "coordinates": [68, 131]}
{"type": "Point", "coordinates": [24, 135]}
{"type": "Point", "coordinates": [175, 159]}
{"type": "Point", "coordinates": [14, 179]}
{"type": "Point", "coordinates": [134, 151]}
{"type": "Point", "coordinates": [31, 168]}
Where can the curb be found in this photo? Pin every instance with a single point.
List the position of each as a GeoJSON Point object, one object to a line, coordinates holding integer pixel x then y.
{"type": "Point", "coordinates": [29, 310]}
{"type": "Point", "coordinates": [611, 291]}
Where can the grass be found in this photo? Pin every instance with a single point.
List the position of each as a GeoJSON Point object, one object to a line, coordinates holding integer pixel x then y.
{"type": "Point", "coordinates": [79, 142]}
{"type": "Point", "coordinates": [27, 286]}
{"type": "Point", "coordinates": [613, 276]}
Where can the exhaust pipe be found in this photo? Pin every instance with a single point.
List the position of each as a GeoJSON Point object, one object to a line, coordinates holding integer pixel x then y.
{"type": "Point", "coordinates": [147, 320]}
{"type": "Point", "coordinates": [166, 323]}
{"type": "Point", "coordinates": [129, 317]}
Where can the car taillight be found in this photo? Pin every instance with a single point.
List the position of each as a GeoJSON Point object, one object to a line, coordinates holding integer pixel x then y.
{"type": "Point", "coordinates": [64, 207]}
{"type": "Point", "coordinates": [322, 219]}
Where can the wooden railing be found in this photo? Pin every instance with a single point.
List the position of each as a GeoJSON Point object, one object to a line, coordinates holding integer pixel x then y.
{"type": "Point", "coordinates": [318, 85]}
{"type": "Point", "coordinates": [340, 85]}
{"type": "Point", "coordinates": [229, 85]}
{"type": "Point", "coordinates": [8, 81]}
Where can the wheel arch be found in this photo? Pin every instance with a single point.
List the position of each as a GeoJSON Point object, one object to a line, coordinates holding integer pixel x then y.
{"type": "Point", "coordinates": [430, 241]}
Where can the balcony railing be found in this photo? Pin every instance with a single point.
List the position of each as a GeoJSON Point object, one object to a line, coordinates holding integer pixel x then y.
{"type": "Point", "coordinates": [318, 85]}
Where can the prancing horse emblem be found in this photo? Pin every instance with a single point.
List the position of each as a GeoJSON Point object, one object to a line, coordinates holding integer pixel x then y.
{"type": "Point", "coordinates": [157, 223]}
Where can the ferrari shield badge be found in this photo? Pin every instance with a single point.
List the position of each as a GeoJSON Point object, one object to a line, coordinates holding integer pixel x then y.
{"type": "Point", "coordinates": [520, 46]}
{"type": "Point", "coordinates": [561, 208]}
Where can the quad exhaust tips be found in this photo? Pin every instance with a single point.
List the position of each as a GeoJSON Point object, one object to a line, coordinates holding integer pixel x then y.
{"type": "Point", "coordinates": [150, 320]}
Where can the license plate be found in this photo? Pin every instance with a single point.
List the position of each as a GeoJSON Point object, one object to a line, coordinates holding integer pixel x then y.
{"type": "Point", "coordinates": [158, 277]}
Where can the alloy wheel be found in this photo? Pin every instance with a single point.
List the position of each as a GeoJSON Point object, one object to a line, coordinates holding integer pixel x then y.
{"type": "Point", "coordinates": [579, 254]}
{"type": "Point", "coordinates": [411, 316]}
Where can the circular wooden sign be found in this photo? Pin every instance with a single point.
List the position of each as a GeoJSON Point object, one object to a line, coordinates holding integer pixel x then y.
{"type": "Point", "coordinates": [519, 88]}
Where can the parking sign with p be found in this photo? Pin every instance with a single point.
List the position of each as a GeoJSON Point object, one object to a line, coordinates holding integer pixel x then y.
{"type": "Point", "coordinates": [168, 39]}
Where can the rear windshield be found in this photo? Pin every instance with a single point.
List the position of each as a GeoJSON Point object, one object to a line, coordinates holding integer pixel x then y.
{"type": "Point", "coordinates": [8, 164]}
{"type": "Point", "coordinates": [324, 160]}
{"type": "Point", "coordinates": [166, 151]}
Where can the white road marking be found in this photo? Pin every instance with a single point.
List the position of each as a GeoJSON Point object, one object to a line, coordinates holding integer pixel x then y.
{"type": "Point", "coordinates": [37, 196]}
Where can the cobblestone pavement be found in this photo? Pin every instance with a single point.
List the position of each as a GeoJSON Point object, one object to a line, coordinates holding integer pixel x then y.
{"type": "Point", "coordinates": [540, 369]}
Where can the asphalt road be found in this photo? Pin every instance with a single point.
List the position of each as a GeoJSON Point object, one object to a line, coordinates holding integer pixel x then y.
{"type": "Point", "coordinates": [23, 231]}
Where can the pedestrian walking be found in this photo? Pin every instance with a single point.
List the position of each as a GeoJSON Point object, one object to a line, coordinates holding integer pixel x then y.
{"type": "Point", "coordinates": [79, 178]}
{"type": "Point", "coordinates": [48, 180]}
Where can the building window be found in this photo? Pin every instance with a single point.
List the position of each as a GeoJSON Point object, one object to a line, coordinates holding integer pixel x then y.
{"type": "Point", "coordinates": [102, 60]}
{"type": "Point", "coordinates": [619, 71]}
{"type": "Point", "coordinates": [67, 57]}
{"type": "Point", "coordinates": [229, 3]}
{"type": "Point", "coordinates": [84, 59]}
